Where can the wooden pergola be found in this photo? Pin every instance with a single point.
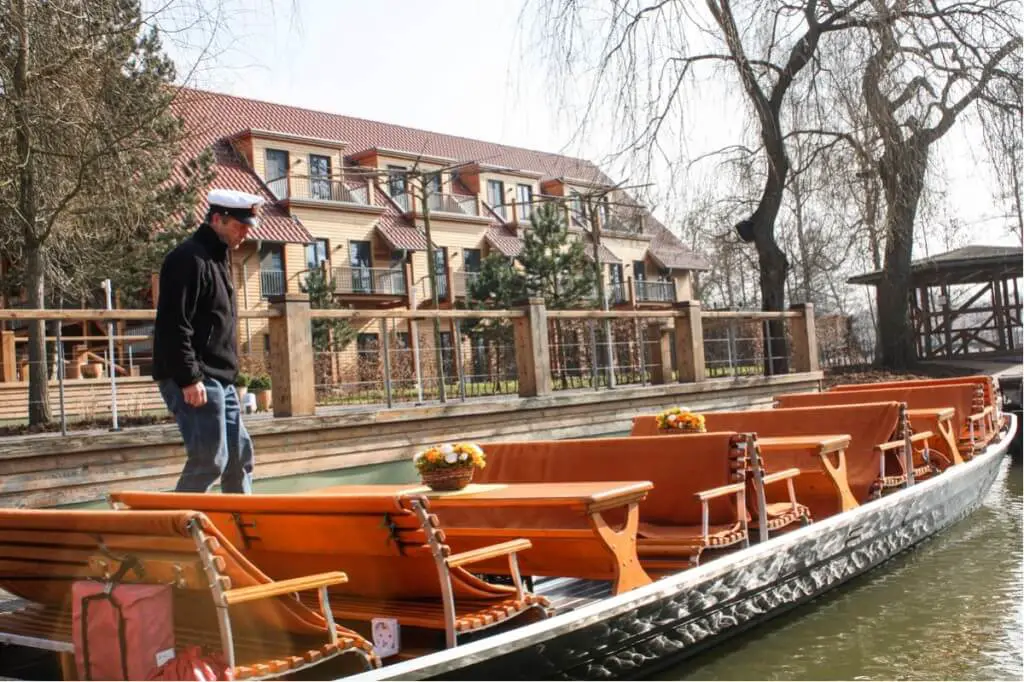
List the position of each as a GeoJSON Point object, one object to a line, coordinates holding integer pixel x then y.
{"type": "Point", "coordinates": [964, 302]}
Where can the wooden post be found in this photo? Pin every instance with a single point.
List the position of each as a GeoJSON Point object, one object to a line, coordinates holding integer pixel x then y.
{"type": "Point", "coordinates": [659, 344]}
{"type": "Point", "coordinates": [291, 356]}
{"type": "Point", "coordinates": [805, 338]}
{"type": "Point", "coordinates": [7, 356]}
{"type": "Point", "coordinates": [689, 338]}
{"type": "Point", "coordinates": [533, 361]}
{"type": "Point", "coordinates": [154, 287]}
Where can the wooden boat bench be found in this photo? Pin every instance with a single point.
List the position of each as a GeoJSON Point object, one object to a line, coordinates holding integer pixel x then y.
{"type": "Point", "coordinates": [388, 542]}
{"type": "Point", "coordinates": [766, 517]}
{"type": "Point", "coordinates": [221, 601]}
{"type": "Point", "coordinates": [984, 419]}
{"type": "Point", "coordinates": [697, 503]}
{"type": "Point", "coordinates": [567, 523]}
{"type": "Point", "coordinates": [821, 484]}
{"type": "Point", "coordinates": [955, 446]}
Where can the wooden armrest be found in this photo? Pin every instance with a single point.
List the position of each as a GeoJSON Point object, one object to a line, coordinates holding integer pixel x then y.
{"type": "Point", "coordinates": [720, 491]}
{"type": "Point", "coordinates": [896, 444]}
{"type": "Point", "coordinates": [979, 416]}
{"type": "Point", "coordinates": [783, 475]}
{"type": "Point", "coordinates": [280, 587]}
{"type": "Point", "coordinates": [488, 552]}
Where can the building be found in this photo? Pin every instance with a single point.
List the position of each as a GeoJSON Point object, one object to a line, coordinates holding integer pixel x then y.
{"type": "Point", "coordinates": [339, 197]}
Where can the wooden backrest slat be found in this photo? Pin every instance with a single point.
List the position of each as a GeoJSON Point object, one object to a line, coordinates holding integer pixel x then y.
{"type": "Point", "coordinates": [375, 539]}
{"type": "Point", "coordinates": [867, 425]}
{"type": "Point", "coordinates": [981, 380]}
{"type": "Point", "coordinates": [958, 396]}
{"type": "Point", "coordinates": [678, 468]}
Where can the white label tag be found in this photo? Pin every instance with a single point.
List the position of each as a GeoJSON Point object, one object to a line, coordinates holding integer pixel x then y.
{"type": "Point", "coordinates": [386, 636]}
{"type": "Point", "coordinates": [164, 656]}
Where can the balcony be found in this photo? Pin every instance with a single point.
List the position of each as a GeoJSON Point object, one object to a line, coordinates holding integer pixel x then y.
{"type": "Point", "coordinates": [453, 204]}
{"type": "Point", "coordinates": [327, 190]}
{"type": "Point", "coordinates": [271, 283]}
{"type": "Point", "coordinates": [369, 281]}
{"type": "Point", "coordinates": [655, 292]}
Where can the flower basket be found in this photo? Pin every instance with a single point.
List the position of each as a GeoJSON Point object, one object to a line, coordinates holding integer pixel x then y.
{"type": "Point", "coordinates": [452, 478]}
{"type": "Point", "coordinates": [449, 466]}
{"type": "Point", "coordinates": [681, 420]}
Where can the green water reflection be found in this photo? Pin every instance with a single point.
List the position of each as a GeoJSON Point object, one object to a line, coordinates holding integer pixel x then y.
{"type": "Point", "coordinates": [949, 609]}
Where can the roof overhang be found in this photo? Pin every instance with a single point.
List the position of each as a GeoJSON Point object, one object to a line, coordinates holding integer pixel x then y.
{"type": "Point", "coordinates": [926, 273]}
{"type": "Point", "coordinates": [400, 154]}
{"type": "Point", "coordinates": [290, 137]}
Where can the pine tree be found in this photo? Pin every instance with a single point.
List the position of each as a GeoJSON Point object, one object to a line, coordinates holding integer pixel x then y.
{"type": "Point", "coordinates": [499, 286]}
{"type": "Point", "coordinates": [556, 265]}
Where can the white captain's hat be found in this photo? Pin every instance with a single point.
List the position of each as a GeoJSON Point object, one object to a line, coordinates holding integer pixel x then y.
{"type": "Point", "coordinates": [241, 206]}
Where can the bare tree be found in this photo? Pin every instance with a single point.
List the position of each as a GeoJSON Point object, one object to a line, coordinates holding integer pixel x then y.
{"type": "Point", "coordinates": [88, 145]}
{"type": "Point", "coordinates": [1003, 139]}
{"type": "Point", "coordinates": [649, 52]}
{"type": "Point", "coordinates": [929, 62]}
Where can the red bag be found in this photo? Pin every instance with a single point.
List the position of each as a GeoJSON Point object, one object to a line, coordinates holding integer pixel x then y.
{"type": "Point", "coordinates": [123, 632]}
{"type": "Point", "coordinates": [191, 664]}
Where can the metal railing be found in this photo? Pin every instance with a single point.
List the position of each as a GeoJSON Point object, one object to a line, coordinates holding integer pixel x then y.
{"type": "Point", "coordinates": [395, 361]}
{"type": "Point", "coordinates": [271, 283]}
{"type": "Point", "coordinates": [359, 280]}
{"type": "Point", "coordinates": [745, 347]}
{"type": "Point", "coordinates": [648, 291]}
{"type": "Point", "coordinates": [318, 189]}
{"type": "Point", "coordinates": [458, 204]}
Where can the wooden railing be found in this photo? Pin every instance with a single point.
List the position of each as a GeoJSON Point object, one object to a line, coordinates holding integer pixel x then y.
{"type": "Point", "coordinates": [674, 339]}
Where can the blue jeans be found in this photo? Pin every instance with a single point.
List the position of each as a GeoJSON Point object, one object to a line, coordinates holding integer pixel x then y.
{"type": "Point", "coordinates": [216, 442]}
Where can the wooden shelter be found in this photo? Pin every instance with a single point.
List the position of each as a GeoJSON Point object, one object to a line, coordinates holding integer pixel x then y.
{"type": "Point", "coordinates": [963, 302]}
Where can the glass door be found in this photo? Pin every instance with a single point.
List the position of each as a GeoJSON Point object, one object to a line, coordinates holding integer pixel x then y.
{"type": "Point", "coordinates": [360, 260]}
{"type": "Point", "coordinates": [320, 177]}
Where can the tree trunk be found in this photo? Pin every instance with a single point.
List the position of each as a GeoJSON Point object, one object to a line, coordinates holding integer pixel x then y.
{"type": "Point", "coordinates": [903, 171]}
{"type": "Point", "coordinates": [38, 393]}
{"type": "Point", "coordinates": [801, 240]}
{"type": "Point", "coordinates": [772, 261]}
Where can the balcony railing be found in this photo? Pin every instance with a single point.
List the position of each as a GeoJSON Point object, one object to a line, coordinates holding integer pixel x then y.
{"type": "Point", "coordinates": [617, 293]}
{"type": "Point", "coordinates": [271, 283]}
{"type": "Point", "coordinates": [463, 282]}
{"type": "Point", "coordinates": [655, 292]}
{"type": "Point", "coordinates": [318, 189]}
{"type": "Point", "coordinates": [380, 281]}
{"type": "Point", "coordinates": [458, 204]}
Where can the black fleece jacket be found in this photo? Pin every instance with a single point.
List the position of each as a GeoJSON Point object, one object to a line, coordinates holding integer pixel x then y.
{"type": "Point", "coordinates": [195, 332]}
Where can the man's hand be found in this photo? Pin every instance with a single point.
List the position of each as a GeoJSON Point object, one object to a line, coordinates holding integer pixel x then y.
{"type": "Point", "coordinates": [195, 395]}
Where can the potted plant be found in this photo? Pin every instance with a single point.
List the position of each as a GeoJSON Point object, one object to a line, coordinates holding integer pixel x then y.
{"type": "Point", "coordinates": [242, 386]}
{"type": "Point", "coordinates": [682, 420]}
{"type": "Point", "coordinates": [260, 386]}
{"type": "Point", "coordinates": [449, 466]}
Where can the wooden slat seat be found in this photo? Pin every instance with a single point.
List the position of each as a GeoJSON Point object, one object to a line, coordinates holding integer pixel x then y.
{"type": "Point", "coordinates": [956, 443]}
{"type": "Point", "coordinates": [985, 418]}
{"type": "Point", "coordinates": [829, 482]}
{"type": "Point", "coordinates": [698, 489]}
{"type": "Point", "coordinates": [576, 529]}
{"type": "Point", "coordinates": [221, 600]}
{"type": "Point", "coordinates": [390, 542]}
{"type": "Point", "coordinates": [777, 516]}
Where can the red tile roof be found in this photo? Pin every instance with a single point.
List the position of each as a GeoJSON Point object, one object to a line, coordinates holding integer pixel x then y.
{"type": "Point", "coordinates": [504, 242]}
{"type": "Point", "coordinates": [215, 117]}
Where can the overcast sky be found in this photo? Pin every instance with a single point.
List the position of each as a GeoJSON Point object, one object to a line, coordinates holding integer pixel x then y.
{"type": "Point", "coordinates": [464, 67]}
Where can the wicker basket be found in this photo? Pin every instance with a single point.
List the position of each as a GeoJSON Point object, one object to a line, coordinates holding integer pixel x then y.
{"type": "Point", "coordinates": [676, 429]}
{"type": "Point", "coordinates": [448, 478]}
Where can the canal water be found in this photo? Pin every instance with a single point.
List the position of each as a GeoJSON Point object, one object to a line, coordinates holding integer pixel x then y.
{"type": "Point", "coordinates": [950, 609]}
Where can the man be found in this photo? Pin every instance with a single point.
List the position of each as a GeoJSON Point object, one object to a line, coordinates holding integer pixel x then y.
{"type": "Point", "coordinates": [195, 360]}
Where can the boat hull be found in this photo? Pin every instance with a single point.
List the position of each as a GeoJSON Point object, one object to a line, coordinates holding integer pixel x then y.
{"type": "Point", "coordinates": [635, 633]}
